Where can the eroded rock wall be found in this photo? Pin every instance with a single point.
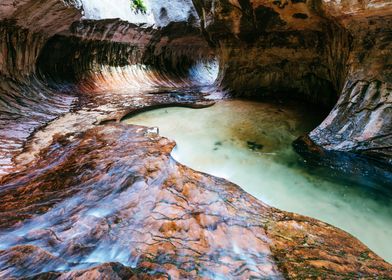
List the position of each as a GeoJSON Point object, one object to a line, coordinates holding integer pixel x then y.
{"type": "Point", "coordinates": [26, 101]}
{"type": "Point", "coordinates": [89, 45]}
{"type": "Point", "coordinates": [49, 58]}
{"type": "Point", "coordinates": [273, 47]}
{"type": "Point", "coordinates": [114, 194]}
{"type": "Point", "coordinates": [93, 199]}
{"type": "Point", "coordinates": [322, 51]}
{"type": "Point", "coordinates": [361, 121]}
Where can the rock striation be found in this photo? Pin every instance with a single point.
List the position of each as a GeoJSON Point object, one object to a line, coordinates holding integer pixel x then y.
{"type": "Point", "coordinates": [111, 201]}
{"type": "Point", "coordinates": [321, 51]}
{"type": "Point", "coordinates": [52, 66]}
{"type": "Point", "coordinates": [85, 198]}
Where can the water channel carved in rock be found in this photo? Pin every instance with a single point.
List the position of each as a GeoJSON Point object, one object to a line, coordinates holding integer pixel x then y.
{"type": "Point", "coordinates": [83, 196]}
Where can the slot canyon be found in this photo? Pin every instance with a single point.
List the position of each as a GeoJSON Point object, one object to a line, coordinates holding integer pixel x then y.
{"type": "Point", "coordinates": [195, 139]}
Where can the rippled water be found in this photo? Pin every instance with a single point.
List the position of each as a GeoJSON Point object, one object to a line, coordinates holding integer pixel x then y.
{"type": "Point", "coordinates": [249, 143]}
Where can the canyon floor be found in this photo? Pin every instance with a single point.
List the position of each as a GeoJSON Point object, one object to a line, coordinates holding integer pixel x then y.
{"type": "Point", "coordinates": [84, 195]}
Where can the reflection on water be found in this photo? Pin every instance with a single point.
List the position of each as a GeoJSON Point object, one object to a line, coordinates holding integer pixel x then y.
{"type": "Point", "coordinates": [249, 144]}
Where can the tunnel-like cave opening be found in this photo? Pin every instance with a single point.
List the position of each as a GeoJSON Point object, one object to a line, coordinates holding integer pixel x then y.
{"type": "Point", "coordinates": [185, 68]}
{"type": "Point", "coordinates": [173, 56]}
{"type": "Point", "coordinates": [92, 186]}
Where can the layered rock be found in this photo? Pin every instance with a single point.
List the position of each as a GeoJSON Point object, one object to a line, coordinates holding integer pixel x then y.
{"type": "Point", "coordinates": [114, 194]}
{"type": "Point", "coordinates": [361, 121]}
{"type": "Point", "coordinates": [88, 45]}
{"type": "Point", "coordinates": [270, 47]}
{"type": "Point", "coordinates": [52, 66]}
{"type": "Point", "coordinates": [26, 101]}
{"type": "Point", "coordinates": [90, 199]}
{"type": "Point", "coordinates": [318, 50]}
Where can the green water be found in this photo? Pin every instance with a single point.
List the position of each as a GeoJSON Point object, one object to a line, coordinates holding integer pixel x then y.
{"type": "Point", "coordinates": [249, 143]}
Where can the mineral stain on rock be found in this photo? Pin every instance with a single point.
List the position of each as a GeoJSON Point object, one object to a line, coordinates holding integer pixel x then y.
{"type": "Point", "coordinates": [275, 174]}
{"type": "Point", "coordinates": [85, 197]}
{"type": "Point", "coordinates": [170, 216]}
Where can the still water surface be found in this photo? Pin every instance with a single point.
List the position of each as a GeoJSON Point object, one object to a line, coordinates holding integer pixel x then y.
{"type": "Point", "coordinates": [249, 143]}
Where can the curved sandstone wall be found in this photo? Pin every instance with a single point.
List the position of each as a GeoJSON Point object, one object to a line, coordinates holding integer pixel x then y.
{"type": "Point", "coordinates": [51, 64]}
{"type": "Point", "coordinates": [361, 121]}
{"type": "Point", "coordinates": [92, 199]}
{"type": "Point", "coordinates": [329, 53]}
{"type": "Point", "coordinates": [321, 51]}
{"type": "Point", "coordinates": [26, 102]}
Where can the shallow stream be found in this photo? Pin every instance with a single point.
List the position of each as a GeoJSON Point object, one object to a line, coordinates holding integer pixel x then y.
{"type": "Point", "coordinates": [249, 143]}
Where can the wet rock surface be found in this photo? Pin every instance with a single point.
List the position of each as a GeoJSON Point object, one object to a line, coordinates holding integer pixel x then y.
{"type": "Point", "coordinates": [114, 194]}
{"type": "Point", "coordinates": [321, 51]}
{"type": "Point", "coordinates": [361, 119]}
{"type": "Point", "coordinates": [85, 198]}
{"type": "Point", "coordinates": [42, 77]}
{"type": "Point", "coordinates": [355, 169]}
